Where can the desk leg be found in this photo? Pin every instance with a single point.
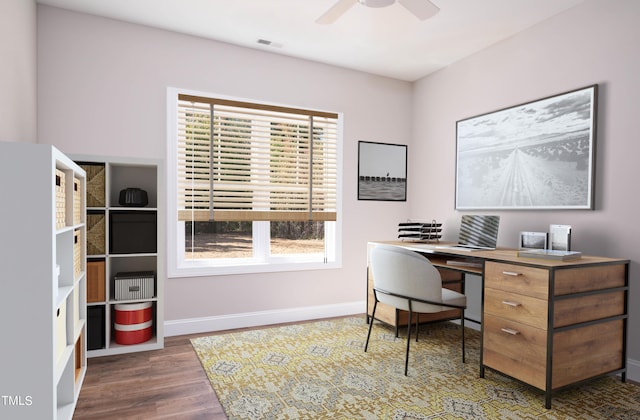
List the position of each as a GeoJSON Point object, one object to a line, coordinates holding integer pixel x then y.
{"type": "Point", "coordinates": [482, 323]}
{"type": "Point", "coordinates": [367, 303]}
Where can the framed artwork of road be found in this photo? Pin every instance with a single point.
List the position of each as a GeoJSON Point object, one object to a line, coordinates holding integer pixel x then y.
{"type": "Point", "coordinates": [536, 155]}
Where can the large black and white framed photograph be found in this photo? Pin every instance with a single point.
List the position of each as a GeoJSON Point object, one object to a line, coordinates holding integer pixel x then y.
{"type": "Point", "coordinates": [537, 155]}
{"type": "Point", "coordinates": [382, 171]}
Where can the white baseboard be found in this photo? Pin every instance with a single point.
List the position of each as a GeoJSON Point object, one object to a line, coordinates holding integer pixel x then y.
{"type": "Point", "coordinates": [633, 370]}
{"type": "Point", "coordinates": [255, 319]}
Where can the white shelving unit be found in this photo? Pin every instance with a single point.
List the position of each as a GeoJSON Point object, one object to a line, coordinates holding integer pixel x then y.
{"type": "Point", "coordinates": [110, 252]}
{"type": "Point", "coordinates": [43, 297]}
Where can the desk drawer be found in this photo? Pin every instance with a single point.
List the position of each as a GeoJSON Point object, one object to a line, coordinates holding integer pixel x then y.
{"type": "Point", "coordinates": [588, 308]}
{"type": "Point", "coordinates": [515, 349]}
{"type": "Point", "coordinates": [519, 279]}
{"type": "Point", "coordinates": [514, 307]}
{"type": "Point", "coordinates": [586, 352]}
{"type": "Point", "coordinates": [583, 279]}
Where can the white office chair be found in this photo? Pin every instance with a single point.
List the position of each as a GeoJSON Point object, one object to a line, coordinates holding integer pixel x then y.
{"type": "Point", "coordinates": [408, 281]}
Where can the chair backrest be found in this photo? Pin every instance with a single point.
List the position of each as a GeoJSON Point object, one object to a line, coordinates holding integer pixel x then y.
{"type": "Point", "coordinates": [403, 272]}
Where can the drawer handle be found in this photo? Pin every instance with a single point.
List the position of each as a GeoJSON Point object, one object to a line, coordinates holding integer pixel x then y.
{"type": "Point", "coordinates": [514, 304]}
{"type": "Point", "coordinates": [511, 273]}
{"type": "Point", "coordinates": [510, 331]}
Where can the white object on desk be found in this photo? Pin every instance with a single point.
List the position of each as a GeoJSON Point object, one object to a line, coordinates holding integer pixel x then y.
{"type": "Point", "coordinates": [560, 237]}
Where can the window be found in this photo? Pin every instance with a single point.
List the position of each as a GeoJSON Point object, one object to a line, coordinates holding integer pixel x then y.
{"type": "Point", "coordinates": [253, 187]}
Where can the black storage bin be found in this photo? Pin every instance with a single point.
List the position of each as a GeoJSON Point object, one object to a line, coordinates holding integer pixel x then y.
{"type": "Point", "coordinates": [95, 328]}
{"type": "Point", "coordinates": [132, 232]}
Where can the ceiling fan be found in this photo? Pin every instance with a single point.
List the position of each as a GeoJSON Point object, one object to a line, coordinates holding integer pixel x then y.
{"type": "Point", "coordinates": [422, 9]}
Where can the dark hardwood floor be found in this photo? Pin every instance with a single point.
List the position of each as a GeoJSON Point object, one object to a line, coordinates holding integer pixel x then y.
{"type": "Point", "coordinates": [167, 383]}
{"type": "Point", "coordinates": [159, 384]}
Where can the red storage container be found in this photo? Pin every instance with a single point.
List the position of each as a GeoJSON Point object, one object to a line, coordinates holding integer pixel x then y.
{"type": "Point", "coordinates": [133, 333]}
{"type": "Point", "coordinates": [133, 313]}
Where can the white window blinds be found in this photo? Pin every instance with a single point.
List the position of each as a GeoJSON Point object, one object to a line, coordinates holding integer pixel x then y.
{"type": "Point", "coordinates": [240, 161]}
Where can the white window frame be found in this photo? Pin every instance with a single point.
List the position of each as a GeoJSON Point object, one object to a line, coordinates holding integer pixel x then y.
{"type": "Point", "coordinates": [178, 266]}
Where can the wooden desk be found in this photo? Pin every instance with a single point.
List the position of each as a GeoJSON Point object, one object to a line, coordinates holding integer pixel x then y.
{"type": "Point", "coordinates": [547, 323]}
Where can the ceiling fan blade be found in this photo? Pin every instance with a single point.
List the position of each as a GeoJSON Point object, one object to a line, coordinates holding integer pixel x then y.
{"type": "Point", "coordinates": [336, 11]}
{"type": "Point", "coordinates": [423, 9]}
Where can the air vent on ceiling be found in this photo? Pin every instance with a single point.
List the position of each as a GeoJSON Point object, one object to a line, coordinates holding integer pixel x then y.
{"type": "Point", "coordinates": [269, 43]}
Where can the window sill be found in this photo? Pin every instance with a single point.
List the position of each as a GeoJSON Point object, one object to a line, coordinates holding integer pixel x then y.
{"type": "Point", "coordinates": [200, 269]}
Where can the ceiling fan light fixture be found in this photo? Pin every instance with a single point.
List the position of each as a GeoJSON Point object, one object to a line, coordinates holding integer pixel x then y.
{"type": "Point", "coordinates": [422, 9]}
{"type": "Point", "coordinates": [376, 3]}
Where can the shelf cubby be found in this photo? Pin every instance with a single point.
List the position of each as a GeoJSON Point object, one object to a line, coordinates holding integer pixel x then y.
{"type": "Point", "coordinates": [121, 238]}
{"type": "Point", "coordinates": [43, 292]}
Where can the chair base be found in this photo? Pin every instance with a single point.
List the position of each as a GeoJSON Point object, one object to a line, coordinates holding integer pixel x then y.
{"type": "Point", "coordinates": [409, 328]}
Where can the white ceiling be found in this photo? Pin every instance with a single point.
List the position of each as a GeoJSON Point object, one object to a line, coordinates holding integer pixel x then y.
{"type": "Point", "coordinates": [385, 41]}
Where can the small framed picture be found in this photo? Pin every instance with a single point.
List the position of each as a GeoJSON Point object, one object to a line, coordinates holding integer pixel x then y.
{"type": "Point", "coordinates": [533, 240]}
{"type": "Point", "coordinates": [560, 237]}
{"type": "Point", "coordinates": [382, 171]}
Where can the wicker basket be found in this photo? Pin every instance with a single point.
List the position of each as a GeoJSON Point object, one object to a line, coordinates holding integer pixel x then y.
{"type": "Point", "coordinates": [61, 213]}
{"type": "Point", "coordinates": [77, 254]}
{"type": "Point", "coordinates": [77, 201]}
{"type": "Point", "coordinates": [95, 185]}
{"type": "Point", "coordinates": [96, 234]}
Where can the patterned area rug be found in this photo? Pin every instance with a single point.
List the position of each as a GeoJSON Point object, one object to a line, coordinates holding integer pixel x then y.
{"type": "Point", "coordinates": [319, 370]}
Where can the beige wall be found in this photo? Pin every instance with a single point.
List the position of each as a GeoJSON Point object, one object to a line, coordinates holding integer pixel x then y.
{"type": "Point", "coordinates": [102, 90]}
{"type": "Point", "coordinates": [18, 70]}
{"type": "Point", "coordinates": [597, 42]}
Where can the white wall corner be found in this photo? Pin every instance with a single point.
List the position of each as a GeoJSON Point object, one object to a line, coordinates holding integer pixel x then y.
{"type": "Point", "coordinates": [254, 319]}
